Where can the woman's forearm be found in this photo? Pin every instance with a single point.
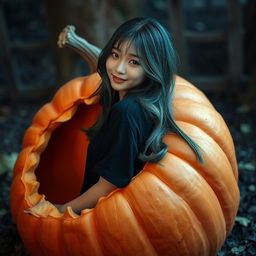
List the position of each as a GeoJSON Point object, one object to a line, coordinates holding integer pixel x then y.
{"type": "Point", "coordinates": [90, 197]}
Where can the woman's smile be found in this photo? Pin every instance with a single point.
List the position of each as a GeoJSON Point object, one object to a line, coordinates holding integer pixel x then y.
{"type": "Point", "coordinates": [118, 80]}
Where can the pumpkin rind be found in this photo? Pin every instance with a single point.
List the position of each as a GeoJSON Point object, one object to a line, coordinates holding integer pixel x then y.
{"type": "Point", "coordinates": [178, 207]}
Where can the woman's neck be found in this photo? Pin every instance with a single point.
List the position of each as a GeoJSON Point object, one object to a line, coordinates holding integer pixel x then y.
{"type": "Point", "coordinates": [121, 94]}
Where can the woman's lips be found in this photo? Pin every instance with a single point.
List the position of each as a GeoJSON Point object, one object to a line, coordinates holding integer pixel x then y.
{"type": "Point", "coordinates": [118, 79]}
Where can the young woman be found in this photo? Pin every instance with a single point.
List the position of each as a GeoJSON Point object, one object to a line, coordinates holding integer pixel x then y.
{"type": "Point", "coordinates": [137, 67]}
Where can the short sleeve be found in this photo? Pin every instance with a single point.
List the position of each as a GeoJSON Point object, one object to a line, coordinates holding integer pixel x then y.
{"type": "Point", "coordinates": [121, 141]}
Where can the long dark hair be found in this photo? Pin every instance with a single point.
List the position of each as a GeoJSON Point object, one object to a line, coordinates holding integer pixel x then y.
{"type": "Point", "coordinates": [158, 60]}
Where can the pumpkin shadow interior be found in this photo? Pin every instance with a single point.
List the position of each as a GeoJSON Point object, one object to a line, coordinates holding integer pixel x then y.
{"type": "Point", "coordinates": [61, 168]}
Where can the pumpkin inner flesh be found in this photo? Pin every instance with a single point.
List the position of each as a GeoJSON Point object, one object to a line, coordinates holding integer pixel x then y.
{"type": "Point", "coordinates": [61, 168]}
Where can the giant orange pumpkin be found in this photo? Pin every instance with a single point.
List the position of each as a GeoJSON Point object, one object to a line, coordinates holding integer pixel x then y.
{"type": "Point", "coordinates": [179, 207]}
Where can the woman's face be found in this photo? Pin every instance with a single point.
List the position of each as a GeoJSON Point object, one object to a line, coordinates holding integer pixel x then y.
{"type": "Point", "coordinates": [124, 69]}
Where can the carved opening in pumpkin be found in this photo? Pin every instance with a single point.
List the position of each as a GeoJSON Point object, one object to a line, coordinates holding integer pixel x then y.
{"type": "Point", "coordinates": [62, 163]}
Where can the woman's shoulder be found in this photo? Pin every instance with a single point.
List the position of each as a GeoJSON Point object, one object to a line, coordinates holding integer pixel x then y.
{"type": "Point", "coordinates": [129, 110]}
{"type": "Point", "coordinates": [128, 106]}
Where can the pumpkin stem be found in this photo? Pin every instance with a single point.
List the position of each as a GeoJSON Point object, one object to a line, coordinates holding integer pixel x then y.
{"type": "Point", "coordinates": [88, 51]}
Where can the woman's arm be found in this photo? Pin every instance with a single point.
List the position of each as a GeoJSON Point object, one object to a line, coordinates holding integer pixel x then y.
{"type": "Point", "coordinates": [90, 197]}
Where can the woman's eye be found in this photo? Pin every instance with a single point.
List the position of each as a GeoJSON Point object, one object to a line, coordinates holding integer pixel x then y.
{"type": "Point", "coordinates": [134, 62]}
{"type": "Point", "coordinates": [114, 55]}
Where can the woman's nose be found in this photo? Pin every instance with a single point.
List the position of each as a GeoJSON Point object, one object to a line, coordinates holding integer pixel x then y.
{"type": "Point", "coordinates": [121, 67]}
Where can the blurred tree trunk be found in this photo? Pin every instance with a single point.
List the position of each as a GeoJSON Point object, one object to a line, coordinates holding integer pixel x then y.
{"type": "Point", "coordinates": [95, 20]}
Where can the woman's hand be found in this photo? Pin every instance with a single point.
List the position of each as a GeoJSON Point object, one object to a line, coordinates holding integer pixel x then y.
{"type": "Point", "coordinates": [89, 198]}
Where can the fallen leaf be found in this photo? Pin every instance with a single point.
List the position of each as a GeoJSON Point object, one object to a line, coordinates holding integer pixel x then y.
{"type": "Point", "coordinates": [247, 166]}
{"type": "Point", "coordinates": [242, 221]}
{"type": "Point", "coordinates": [245, 128]}
{"type": "Point", "coordinates": [237, 250]}
{"type": "Point", "coordinates": [252, 188]}
{"type": "Point", "coordinates": [7, 162]}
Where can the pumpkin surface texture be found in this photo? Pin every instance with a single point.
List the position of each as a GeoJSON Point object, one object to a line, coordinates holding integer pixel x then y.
{"type": "Point", "coordinates": [179, 207]}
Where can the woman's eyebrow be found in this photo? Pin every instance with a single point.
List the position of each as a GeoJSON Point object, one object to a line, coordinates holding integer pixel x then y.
{"type": "Point", "coordinates": [134, 55]}
{"type": "Point", "coordinates": [130, 54]}
{"type": "Point", "coordinates": [114, 47]}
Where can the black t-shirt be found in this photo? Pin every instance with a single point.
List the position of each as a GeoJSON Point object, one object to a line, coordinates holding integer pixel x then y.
{"type": "Point", "coordinates": [113, 152]}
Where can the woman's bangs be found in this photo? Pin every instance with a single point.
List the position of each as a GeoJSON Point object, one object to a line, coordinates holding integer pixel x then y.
{"type": "Point", "coordinates": [119, 42]}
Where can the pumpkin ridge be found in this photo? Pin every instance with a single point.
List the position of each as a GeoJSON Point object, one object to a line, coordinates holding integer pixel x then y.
{"type": "Point", "coordinates": [95, 226]}
{"type": "Point", "coordinates": [63, 239]}
{"type": "Point", "coordinates": [67, 94]}
{"type": "Point", "coordinates": [203, 228]}
{"type": "Point", "coordinates": [54, 123]}
{"type": "Point", "coordinates": [57, 117]}
{"type": "Point", "coordinates": [86, 226]}
{"type": "Point", "coordinates": [16, 198]}
{"type": "Point", "coordinates": [49, 236]}
{"type": "Point", "coordinates": [56, 106]}
{"type": "Point", "coordinates": [140, 234]}
{"type": "Point", "coordinates": [189, 86]}
{"type": "Point", "coordinates": [139, 221]}
{"type": "Point", "coordinates": [227, 145]}
{"type": "Point", "coordinates": [73, 239]}
{"type": "Point", "coordinates": [210, 178]}
{"type": "Point", "coordinates": [148, 232]}
{"type": "Point", "coordinates": [214, 138]}
{"type": "Point", "coordinates": [98, 238]}
{"type": "Point", "coordinates": [198, 101]}
{"type": "Point", "coordinates": [182, 81]}
{"type": "Point", "coordinates": [205, 131]}
{"type": "Point", "coordinates": [66, 115]}
{"type": "Point", "coordinates": [29, 236]}
{"type": "Point", "coordinates": [190, 202]}
{"type": "Point", "coordinates": [192, 94]}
